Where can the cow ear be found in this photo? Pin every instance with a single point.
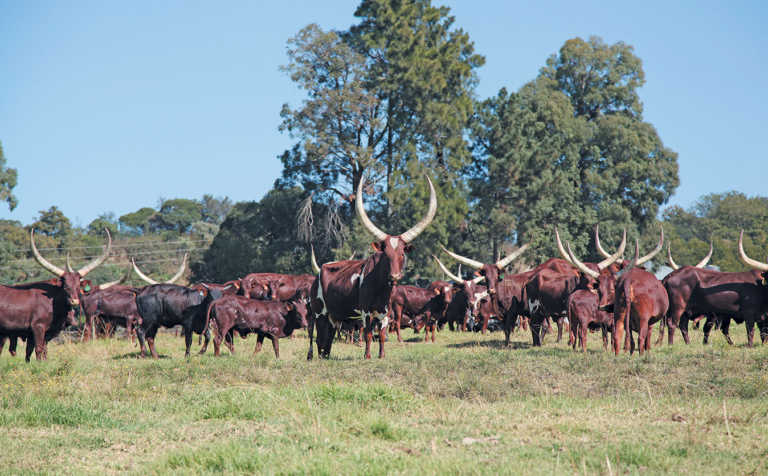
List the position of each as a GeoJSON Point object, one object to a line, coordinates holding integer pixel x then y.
{"type": "Point", "coordinates": [408, 247]}
{"type": "Point", "coordinates": [437, 291]}
{"type": "Point", "coordinates": [377, 246]}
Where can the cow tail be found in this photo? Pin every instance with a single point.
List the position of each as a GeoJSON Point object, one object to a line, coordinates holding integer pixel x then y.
{"type": "Point", "coordinates": [208, 316]}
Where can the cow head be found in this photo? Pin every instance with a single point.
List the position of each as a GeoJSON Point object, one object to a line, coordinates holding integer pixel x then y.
{"type": "Point", "coordinates": [69, 279]}
{"type": "Point", "coordinates": [471, 287]}
{"type": "Point", "coordinates": [394, 248]}
{"type": "Point", "coordinates": [296, 315]}
{"type": "Point", "coordinates": [492, 273]}
{"type": "Point", "coordinates": [598, 278]}
{"type": "Point", "coordinates": [443, 289]}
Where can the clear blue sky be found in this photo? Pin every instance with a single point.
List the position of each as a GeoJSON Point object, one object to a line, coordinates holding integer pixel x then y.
{"type": "Point", "coordinates": [108, 106]}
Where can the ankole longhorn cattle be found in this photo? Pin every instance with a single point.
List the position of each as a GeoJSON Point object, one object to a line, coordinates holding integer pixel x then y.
{"type": "Point", "coordinates": [552, 282]}
{"type": "Point", "coordinates": [361, 289]}
{"type": "Point", "coordinates": [39, 311]}
{"type": "Point", "coordinates": [676, 283]}
{"type": "Point", "coordinates": [465, 299]}
{"type": "Point", "coordinates": [500, 301]}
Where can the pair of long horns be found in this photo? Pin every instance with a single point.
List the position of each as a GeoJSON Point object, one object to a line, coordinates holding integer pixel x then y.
{"type": "Point", "coordinates": [700, 264]}
{"type": "Point", "coordinates": [409, 235]}
{"type": "Point", "coordinates": [758, 265]}
{"type": "Point", "coordinates": [500, 264]}
{"type": "Point", "coordinates": [170, 281]}
{"type": "Point", "coordinates": [458, 279]}
{"type": "Point", "coordinates": [639, 261]}
{"type": "Point", "coordinates": [609, 258]}
{"type": "Point", "coordinates": [60, 272]}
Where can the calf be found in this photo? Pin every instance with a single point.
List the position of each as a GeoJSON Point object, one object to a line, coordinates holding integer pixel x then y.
{"type": "Point", "coordinates": [274, 319]}
{"type": "Point", "coordinates": [421, 305]}
{"type": "Point", "coordinates": [584, 313]}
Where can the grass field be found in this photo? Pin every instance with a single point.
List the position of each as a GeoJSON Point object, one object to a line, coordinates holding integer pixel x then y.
{"type": "Point", "coordinates": [463, 405]}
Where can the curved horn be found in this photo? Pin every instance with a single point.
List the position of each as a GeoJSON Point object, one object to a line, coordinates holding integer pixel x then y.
{"type": "Point", "coordinates": [367, 223]}
{"type": "Point", "coordinates": [582, 267]}
{"type": "Point", "coordinates": [69, 265]}
{"type": "Point", "coordinates": [637, 255]}
{"type": "Point", "coordinates": [560, 247]}
{"type": "Point", "coordinates": [469, 262]}
{"type": "Point", "coordinates": [612, 258]}
{"type": "Point", "coordinates": [112, 283]}
{"type": "Point", "coordinates": [352, 256]}
{"type": "Point", "coordinates": [655, 250]}
{"type": "Point", "coordinates": [181, 270]}
{"type": "Point", "coordinates": [42, 261]}
{"type": "Point", "coordinates": [669, 257]}
{"type": "Point", "coordinates": [93, 264]}
{"type": "Point", "coordinates": [448, 273]}
{"type": "Point", "coordinates": [313, 260]}
{"type": "Point", "coordinates": [142, 275]}
{"type": "Point", "coordinates": [502, 263]}
{"type": "Point", "coordinates": [706, 259]}
{"type": "Point", "coordinates": [411, 234]}
{"type": "Point", "coordinates": [746, 259]}
{"type": "Point", "coordinates": [597, 242]}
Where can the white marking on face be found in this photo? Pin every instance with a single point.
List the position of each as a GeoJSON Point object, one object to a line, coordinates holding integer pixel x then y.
{"type": "Point", "coordinates": [393, 242]}
{"type": "Point", "coordinates": [533, 305]}
{"type": "Point", "coordinates": [354, 277]}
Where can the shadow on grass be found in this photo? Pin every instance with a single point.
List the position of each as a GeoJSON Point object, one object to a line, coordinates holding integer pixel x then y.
{"type": "Point", "coordinates": [137, 355]}
{"type": "Point", "coordinates": [495, 344]}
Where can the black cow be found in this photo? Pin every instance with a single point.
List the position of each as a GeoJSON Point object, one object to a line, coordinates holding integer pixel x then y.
{"type": "Point", "coordinates": [169, 305]}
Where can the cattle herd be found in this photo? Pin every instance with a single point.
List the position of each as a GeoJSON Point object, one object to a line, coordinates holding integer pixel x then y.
{"type": "Point", "coordinates": [360, 297]}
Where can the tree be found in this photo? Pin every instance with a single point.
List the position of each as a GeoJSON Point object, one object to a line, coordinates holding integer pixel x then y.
{"type": "Point", "coordinates": [53, 223]}
{"type": "Point", "coordinates": [139, 221]}
{"type": "Point", "coordinates": [8, 177]}
{"type": "Point", "coordinates": [105, 220]}
{"type": "Point", "coordinates": [214, 209]}
{"type": "Point", "coordinates": [256, 237]}
{"type": "Point", "coordinates": [570, 149]}
{"type": "Point", "coordinates": [177, 214]}
{"type": "Point", "coordinates": [718, 217]}
{"type": "Point", "coordinates": [391, 97]}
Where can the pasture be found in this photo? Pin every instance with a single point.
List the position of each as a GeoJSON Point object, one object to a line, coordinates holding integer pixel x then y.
{"type": "Point", "coordinates": [462, 405]}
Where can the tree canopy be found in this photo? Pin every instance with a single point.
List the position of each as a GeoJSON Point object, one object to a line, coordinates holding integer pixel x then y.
{"type": "Point", "coordinates": [8, 178]}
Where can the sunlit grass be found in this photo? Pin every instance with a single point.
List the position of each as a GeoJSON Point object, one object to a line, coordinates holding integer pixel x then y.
{"type": "Point", "coordinates": [463, 405]}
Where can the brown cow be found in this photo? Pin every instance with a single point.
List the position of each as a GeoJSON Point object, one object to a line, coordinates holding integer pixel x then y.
{"type": "Point", "coordinates": [641, 300]}
{"type": "Point", "coordinates": [360, 289]}
{"type": "Point", "coordinates": [422, 306]}
{"type": "Point", "coordinates": [273, 319]}
{"type": "Point", "coordinates": [39, 311]}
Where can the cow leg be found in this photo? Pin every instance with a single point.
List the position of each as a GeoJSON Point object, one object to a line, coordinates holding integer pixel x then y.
{"type": "Point", "coordinates": [30, 347]}
{"type": "Point", "coordinates": [750, 323]}
{"type": "Point", "coordinates": [187, 340]}
{"type": "Point", "coordinates": [140, 337]}
{"type": "Point", "coordinates": [275, 345]}
{"type": "Point", "coordinates": [310, 333]}
{"type": "Point", "coordinates": [618, 332]}
{"type": "Point", "coordinates": [398, 319]}
{"type": "Point", "coordinates": [708, 325]}
{"type": "Point", "coordinates": [39, 337]}
{"type": "Point", "coordinates": [684, 323]}
{"type": "Point", "coordinates": [259, 341]}
{"type": "Point", "coordinates": [2, 344]}
{"type": "Point", "coordinates": [582, 335]}
{"type": "Point", "coordinates": [507, 330]}
{"type": "Point", "coordinates": [536, 328]}
{"type": "Point", "coordinates": [368, 339]}
{"type": "Point", "coordinates": [382, 338]}
{"type": "Point", "coordinates": [207, 335]}
{"type": "Point", "coordinates": [604, 330]}
{"type": "Point", "coordinates": [725, 327]}
{"type": "Point", "coordinates": [559, 321]}
{"type": "Point", "coordinates": [151, 342]}
{"type": "Point", "coordinates": [12, 342]}
{"type": "Point", "coordinates": [432, 327]}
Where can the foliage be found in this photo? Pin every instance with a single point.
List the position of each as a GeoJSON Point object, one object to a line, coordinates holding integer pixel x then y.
{"type": "Point", "coordinates": [214, 209]}
{"type": "Point", "coordinates": [138, 221]}
{"type": "Point", "coordinates": [53, 223]}
{"type": "Point", "coordinates": [571, 149]}
{"type": "Point", "coordinates": [256, 237]}
{"type": "Point", "coordinates": [718, 217]}
{"type": "Point", "coordinates": [105, 220]}
{"type": "Point", "coordinates": [8, 180]}
{"type": "Point", "coordinates": [177, 214]}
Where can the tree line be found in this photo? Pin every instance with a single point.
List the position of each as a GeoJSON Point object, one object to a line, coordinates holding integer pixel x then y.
{"type": "Point", "coordinates": [392, 99]}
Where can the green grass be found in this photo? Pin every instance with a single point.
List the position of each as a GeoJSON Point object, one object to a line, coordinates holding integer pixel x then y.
{"type": "Point", "coordinates": [463, 405]}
